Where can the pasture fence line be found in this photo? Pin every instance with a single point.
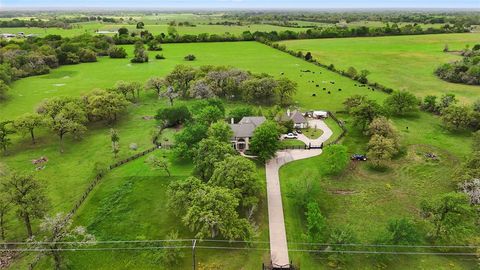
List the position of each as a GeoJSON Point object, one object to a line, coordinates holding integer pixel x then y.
{"type": "Point", "coordinates": [341, 125]}
{"type": "Point", "coordinates": [94, 183]}
{"type": "Point", "coordinates": [330, 67]}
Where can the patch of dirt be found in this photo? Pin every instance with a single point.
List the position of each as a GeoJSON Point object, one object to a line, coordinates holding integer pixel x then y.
{"type": "Point", "coordinates": [417, 152]}
{"type": "Point", "coordinates": [455, 52]}
{"type": "Point", "coordinates": [6, 258]}
{"type": "Point", "coordinates": [343, 192]}
{"type": "Point", "coordinates": [147, 117]}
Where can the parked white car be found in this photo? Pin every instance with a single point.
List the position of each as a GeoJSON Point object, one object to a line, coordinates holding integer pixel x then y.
{"type": "Point", "coordinates": [290, 136]}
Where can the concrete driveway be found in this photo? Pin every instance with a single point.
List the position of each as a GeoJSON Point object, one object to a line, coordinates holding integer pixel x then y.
{"type": "Point", "coordinates": [276, 221]}
{"type": "Point", "coordinates": [319, 124]}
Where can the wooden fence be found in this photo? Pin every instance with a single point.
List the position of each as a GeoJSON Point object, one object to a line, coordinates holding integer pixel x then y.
{"type": "Point", "coordinates": [341, 125]}
{"type": "Point", "coordinates": [94, 183]}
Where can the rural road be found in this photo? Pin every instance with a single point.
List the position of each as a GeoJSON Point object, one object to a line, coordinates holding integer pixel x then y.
{"type": "Point", "coordinates": [276, 222]}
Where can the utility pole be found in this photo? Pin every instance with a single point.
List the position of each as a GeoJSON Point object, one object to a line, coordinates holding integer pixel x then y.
{"type": "Point", "coordinates": [193, 253]}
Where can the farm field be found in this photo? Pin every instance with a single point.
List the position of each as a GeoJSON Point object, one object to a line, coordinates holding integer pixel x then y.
{"type": "Point", "coordinates": [155, 28]}
{"type": "Point", "coordinates": [399, 62]}
{"type": "Point", "coordinates": [130, 202]}
{"type": "Point", "coordinates": [27, 93]}
{"type": "Point", "coordinates": [68, 174]}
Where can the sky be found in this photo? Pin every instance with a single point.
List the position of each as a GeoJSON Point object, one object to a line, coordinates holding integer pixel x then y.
{"type": "Point", "coordinates": [239, 4]}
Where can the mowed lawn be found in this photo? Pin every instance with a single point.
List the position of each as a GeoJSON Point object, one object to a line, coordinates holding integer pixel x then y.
{"type": "Point", "coordinates": [399, 62]}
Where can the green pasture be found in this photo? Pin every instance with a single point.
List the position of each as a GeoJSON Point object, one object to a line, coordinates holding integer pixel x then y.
{"type": "Point", "coordinates": [399, 62]}
{"type": "Point", "coordinates": [154, 27]}
{"type": "Point", "coordinates": [129, 203]}
{"type": "Point", "coordinates": [365, 200]}
{"type": "Point", "coordinates": [74, 80]}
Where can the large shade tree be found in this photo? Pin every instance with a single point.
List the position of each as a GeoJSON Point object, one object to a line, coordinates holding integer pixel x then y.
{"type": "Point", "coordinates": [450, 215]}
{"type": "Point", "coordinates": [239, 175]}
{"type": "Point", "coordinates": [209, 211]}
{"type": "Point", "coordinates": [180, 78]}
{"type": "Point", "coordinates": [265, 142]}
{"type": "Point", "coordinates": [208, 153]}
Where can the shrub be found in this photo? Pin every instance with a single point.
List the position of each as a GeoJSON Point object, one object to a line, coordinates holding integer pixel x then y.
{"type": "Point", "coordinates": [159, 57]}
{"type": "Point", "coordinates": [173, 116]}
{"type": "Point", "coordinates": [190, 57]}
{"type": "Point", "coordinates": [336, 158]}
{"type": "Point", "coordinates": [117, 52]}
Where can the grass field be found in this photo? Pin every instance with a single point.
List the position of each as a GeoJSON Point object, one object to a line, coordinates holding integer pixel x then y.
{"type": "Point", "coordinates": [155, 28]}
{"type": "Point", "coordinates": [137, 195]}
{"type": "Point", "coordinates": [365, 200]}
{"type": "Point", "coordinates": [399, 62]}
{"type": "Point", "coordinates": [251, 56]}
{"type": "Point", "coordinates": [68, 174]}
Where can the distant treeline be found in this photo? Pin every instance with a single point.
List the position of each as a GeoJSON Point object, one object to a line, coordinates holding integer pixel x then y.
{"type": "Point", "coordinates": [54, 22]}
{"type": "Point", "coordinates": [464, 18]}
{"type": "Point", "coordinates": [126, 37]}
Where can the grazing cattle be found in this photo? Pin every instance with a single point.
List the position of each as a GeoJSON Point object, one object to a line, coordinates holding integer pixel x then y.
{"type": "Point", "coordinates": [324, 88]}
{"type": "Point", "coordinates": [314, 95]}
{"type": "Point", "coordinates": [329, 92]}
{"type": "Point", "coordinates": [318, 85]}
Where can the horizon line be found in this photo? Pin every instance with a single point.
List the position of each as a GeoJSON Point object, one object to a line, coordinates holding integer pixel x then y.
{"type": "Point", "coordinates": [226, 8]}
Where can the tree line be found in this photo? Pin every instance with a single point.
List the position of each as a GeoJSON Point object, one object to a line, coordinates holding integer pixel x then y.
{"type": "Point", "coordinates": [172, 35]}
{"type": "Point", "coordinates": [225, 83]}
{"type": "Point", "coordinates": [464, 18]}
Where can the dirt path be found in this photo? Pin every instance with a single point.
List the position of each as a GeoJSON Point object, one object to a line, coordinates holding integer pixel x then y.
{"type": "Point", "coordinates": [276, 221]}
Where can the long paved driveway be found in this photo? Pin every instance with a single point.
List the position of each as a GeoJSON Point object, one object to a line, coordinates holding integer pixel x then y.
{"type": "Point", "coordinates": [276, 222]}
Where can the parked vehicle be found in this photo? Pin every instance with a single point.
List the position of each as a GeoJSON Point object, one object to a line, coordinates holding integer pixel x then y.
{"type": "Point", "coordinates": [359, 157]}
{"type": "Point", "coordinates": [290, 136]}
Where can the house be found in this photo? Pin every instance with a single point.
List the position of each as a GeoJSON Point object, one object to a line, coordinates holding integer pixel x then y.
{"type": "Point", "coordinates": [243, 131]}
{"type": "Point", "coordinates": [297, 117]}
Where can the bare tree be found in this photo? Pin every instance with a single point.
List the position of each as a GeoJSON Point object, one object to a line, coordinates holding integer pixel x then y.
{"type": "Point", "coordinates": [170, 94]}
{"type": "Point", "coordinates": [58, 231]}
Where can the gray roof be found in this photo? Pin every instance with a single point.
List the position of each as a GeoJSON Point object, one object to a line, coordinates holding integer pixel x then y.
{"type": "Point", "coordinates": [246, 126]}
{"type": "Point", "coordinates": [256, 120]}
{"type": "Point", "coordinates": [295, 116]}
{"type": "Point", "coordinates": [298, 118]}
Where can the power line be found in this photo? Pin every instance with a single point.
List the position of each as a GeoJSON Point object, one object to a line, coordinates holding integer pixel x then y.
{"type": "Point", "coordinates": [246, 248]}
{"type": "Point", "coordinates": [236, 241]}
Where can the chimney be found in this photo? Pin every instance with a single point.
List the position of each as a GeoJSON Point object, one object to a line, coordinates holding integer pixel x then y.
{"type": "Point", "coordinates": [232, 121]}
